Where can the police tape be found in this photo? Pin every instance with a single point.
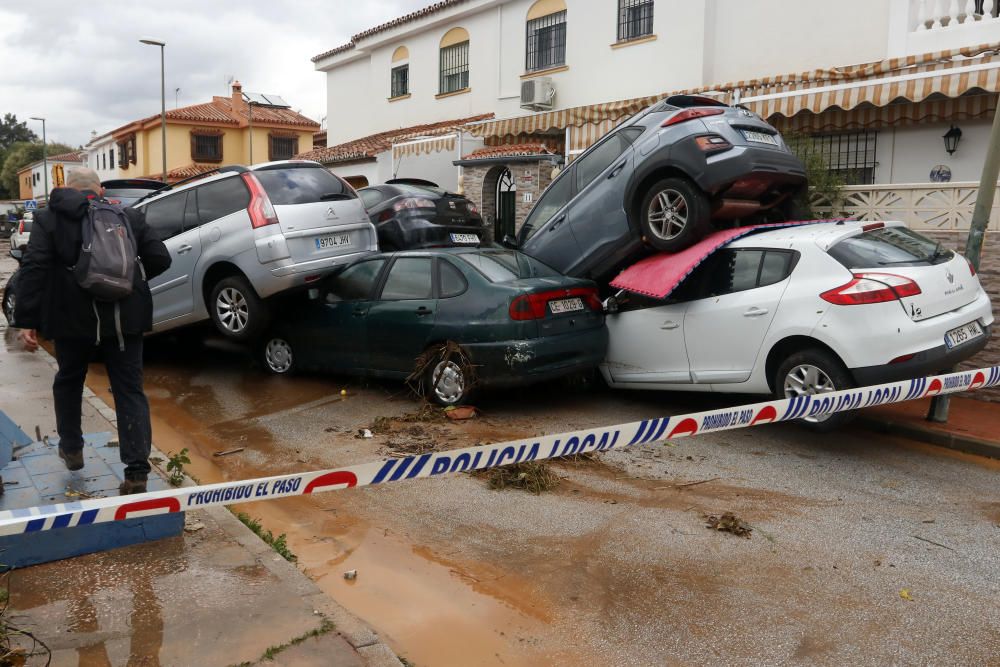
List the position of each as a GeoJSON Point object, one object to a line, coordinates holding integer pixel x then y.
{"type": "Point", "coordinates": [647, 431]}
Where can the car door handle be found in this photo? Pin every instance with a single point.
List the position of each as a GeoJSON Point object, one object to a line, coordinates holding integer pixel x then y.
{"type": "Point", "coordinates": [183, 249]}
{"type": "Point", "coordinates": [669, 325]}
{"type": "Point", "coordinates": [617, 170]}
{"type": "Point", "coordinates": [423, 310]}
{"type": "Point", "coordinates": [755, 312]}
{"type": "Point", "coordinates": [561, 219]}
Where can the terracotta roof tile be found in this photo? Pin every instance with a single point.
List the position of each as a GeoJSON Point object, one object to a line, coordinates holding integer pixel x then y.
{"type": "Point", "coordinates": [193, 169]}
{"type": "Point", "coordinates": [512, 150]}
{"type": "Point", "coordinates": [372, 145]}
{"type": "Point", "coordinates": [220, 110]}
{"type": "Point", "coordinates": [74, 156]}
{"type": "Point", "coordinates": [209, 112]}
{"type": "Point", "coordinates": [389, 25]}
{"type": "Point", "coordinates": [270, 115]}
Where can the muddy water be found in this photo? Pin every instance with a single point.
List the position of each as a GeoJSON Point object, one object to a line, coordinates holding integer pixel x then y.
{"type": "Point", "coordinates": [431, 609]}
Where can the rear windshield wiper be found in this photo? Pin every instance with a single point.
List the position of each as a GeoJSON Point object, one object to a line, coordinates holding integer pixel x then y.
{"type": "Point", "coordinates": [335, 196]}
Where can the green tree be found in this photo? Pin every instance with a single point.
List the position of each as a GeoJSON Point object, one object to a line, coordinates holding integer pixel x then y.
{"type": "Point", "coordinates": [21, 154]}
{"type": "Point", "coordinates": [829, 185]}
{"type": "Point", "coordinates": [12, 132]}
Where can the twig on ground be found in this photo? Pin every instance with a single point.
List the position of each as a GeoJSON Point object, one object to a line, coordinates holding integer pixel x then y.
{"type": "Point", "coordinates": [227, 452]}
{"type": "Point", "coordinates": [937, 544]}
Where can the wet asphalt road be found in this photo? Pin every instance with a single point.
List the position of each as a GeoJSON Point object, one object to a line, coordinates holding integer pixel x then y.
{"type": "Point", "coordinates": [865, 549]}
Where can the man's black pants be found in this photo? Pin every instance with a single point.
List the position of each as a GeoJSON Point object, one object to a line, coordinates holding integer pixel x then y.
{"type": "Point", "coordinates": [124, 368]}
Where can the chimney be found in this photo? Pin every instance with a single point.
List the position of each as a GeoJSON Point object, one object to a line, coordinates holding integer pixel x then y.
{"type": "Point", "coordinates": [238, 101]}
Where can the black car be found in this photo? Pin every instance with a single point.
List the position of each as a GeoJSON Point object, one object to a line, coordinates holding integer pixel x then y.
{"type": "Point", "coordinates": [410, 214]}
{"type": "Point", "coordinates": [462, 317]}
{"type": "Point", "coordinates": [127, 191]}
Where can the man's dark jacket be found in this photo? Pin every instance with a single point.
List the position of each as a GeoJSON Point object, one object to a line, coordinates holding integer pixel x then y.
{"type": "Point", "coordinates": [48, 297]}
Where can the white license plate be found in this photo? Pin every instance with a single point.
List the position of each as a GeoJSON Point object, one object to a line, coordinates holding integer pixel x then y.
{"type": "Point", "coordinates": [565, 305]}
{"type": "Point", "coordinates": [464, 238]}
{"type": "Point", "coordinates": [962, 334]}
{"type": "Point", "coordinates": [332, 241]}
{"type": "Point", "coordinates": [760, 137]}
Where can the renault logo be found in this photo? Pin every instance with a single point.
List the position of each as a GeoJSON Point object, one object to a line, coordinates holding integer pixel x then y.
{"type": "Point", "coordinates": [949, 275]}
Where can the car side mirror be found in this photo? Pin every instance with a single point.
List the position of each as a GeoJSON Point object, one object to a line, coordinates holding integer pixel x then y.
{"type": "Point", "coordinates": [611, 305]}
{"type": "Point", "coordinates": [17, 254]}
{"type": "Point", "coordinates": [509, 241]}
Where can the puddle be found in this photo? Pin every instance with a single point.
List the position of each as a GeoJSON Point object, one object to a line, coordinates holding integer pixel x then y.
{"type": "Point", "coordinates": [428, 608]}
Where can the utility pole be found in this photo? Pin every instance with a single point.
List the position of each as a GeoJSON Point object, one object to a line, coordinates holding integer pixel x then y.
{"type": "Point", "coordinates": [163, 100]}
{"type": "Point", "coordinates": [977, 230]}
{"type": "Point", "coordinates": [45, 159]}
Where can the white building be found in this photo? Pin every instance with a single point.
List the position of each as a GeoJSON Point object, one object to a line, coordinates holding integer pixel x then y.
{"type": "Point", "coordinates": [99, 155]}
{"type": "Point", "coordinates": [925, 66]}
{"type": "Point", "coordinates": [31, 177]}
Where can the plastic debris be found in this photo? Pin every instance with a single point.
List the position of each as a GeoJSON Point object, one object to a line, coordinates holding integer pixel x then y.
{"type": "Point", "coordinates": [460, 413]}
{"type": "Point", "coordinates": [364, 433]}
{"type": "Point", "coordinates": [351, 575]}
{"type": "Point", "coordinates": [905, 594]}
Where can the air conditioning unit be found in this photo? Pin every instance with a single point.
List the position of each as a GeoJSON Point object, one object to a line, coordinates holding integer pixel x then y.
{"type": "Point", "coordinates": [537, 94]}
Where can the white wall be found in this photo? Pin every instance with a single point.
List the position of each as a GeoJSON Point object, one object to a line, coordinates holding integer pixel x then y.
{"type": "Point", "coordinates": [368, 169]}
{"type": "Point", "coordinates": [357, 90]}
{"type": "Point", "coordinates": [765, 37]}
{"type": "Point", "coordinates": [907, 154]}
{"type": "Point", "coordinates": [38, 189]}
{"type": "Point", "coordinates": [97, 158]}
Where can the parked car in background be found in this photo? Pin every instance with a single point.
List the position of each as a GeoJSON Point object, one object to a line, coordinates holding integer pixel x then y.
{"type": "Point", "coordinates": [19, 237]}
{"type": "Point", "coordinates": [510, 320]}
{"type": "Point", "coordinates": [412, 214]}
{"type": "Point", "coordinates": [241, 235]}
{"type": "Point", "coordinates": [127, 191]}
{"type": "Point", "coordinates": [801, 311]}
{"type": "Point", "coordinates": [659, 180]}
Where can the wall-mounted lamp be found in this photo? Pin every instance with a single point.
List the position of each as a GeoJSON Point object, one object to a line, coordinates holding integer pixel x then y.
{"type": "Point", "coordinates": [951, 139]}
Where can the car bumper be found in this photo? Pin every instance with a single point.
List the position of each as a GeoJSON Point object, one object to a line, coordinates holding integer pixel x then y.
{"type": "Point", "coordinates": [412, 233]}
{"type": "Point", "coordinates": [515, 362]}
{"type": "Point", "coordinates": [290, 276]}
{"type": "Point", "coordinates": [927, 362]}
{"type": "Point", "coordinates": [719, 172]}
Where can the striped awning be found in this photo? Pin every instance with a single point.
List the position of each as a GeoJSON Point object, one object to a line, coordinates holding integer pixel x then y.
{"type": "Point", "coordinates": [555, 121]}
{"type": "Point", "coordinates": [582, 137]}
{"type": "Point", "coordinates": [424, 146]}
{"type": "Point", "coordinates": [867, 116]}
{"type": "Point", "coordinates": [948, 73]}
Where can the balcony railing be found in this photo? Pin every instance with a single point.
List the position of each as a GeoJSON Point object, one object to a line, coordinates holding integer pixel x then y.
{"type": "Point", "coordinates": [952, 14]}
{"type": "Point", "coordinates": [931, 207]}
{"type": "Point", "coordinates": [925, 26]}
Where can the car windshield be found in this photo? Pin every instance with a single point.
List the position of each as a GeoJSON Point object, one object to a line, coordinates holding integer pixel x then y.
{"type": "Point", "coordinates": [302, 185]}
{"type": "Point", "coordinates": [409, 189]}
{"type": "Point", "coordinates": [502, 266]}
{"type": "Point", "coordinates": [888, 246]}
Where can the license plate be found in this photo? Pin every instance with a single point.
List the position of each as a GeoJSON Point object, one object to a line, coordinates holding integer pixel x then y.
{"type": "Point", "coordinates": [464, 238]}
{"type": "Point", "coordinates": [962, 334]}
{"type": "Point", "coordinates": [565, 305]}
{"type": "Point", "coordinates": [332, 241]}
{"type": "Point", "coordinates": [760, 137]}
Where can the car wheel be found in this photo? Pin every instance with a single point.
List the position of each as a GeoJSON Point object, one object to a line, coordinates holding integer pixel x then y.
{"type": "Point", "coordinates": [674, 214]}
{"type": "Point", "coordinates": [8, 304]}
{"type": "Point", "coordinates": [236, 310]}
{"type": "Point", "coordinates": [811, 372]}
{"type": "Point", "coordinates": [277, 355]}
{"type": "Point", "coordinates": [448, 382]}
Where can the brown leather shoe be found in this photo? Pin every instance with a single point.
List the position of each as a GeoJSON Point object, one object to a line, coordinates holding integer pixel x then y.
{"type": "Point", "coordinates": [73, 460]}
{"type": "Point", "coordinates": [130, 486]}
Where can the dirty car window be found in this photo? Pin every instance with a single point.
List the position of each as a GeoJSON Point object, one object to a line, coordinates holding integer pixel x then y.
{"type": "Point", "coordinates": [502, 266]}
{"type": "Point", "coordinates": [356, 282]}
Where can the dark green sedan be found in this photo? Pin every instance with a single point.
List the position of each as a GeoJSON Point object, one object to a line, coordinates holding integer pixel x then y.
{"type": "Point", "coordinates": [456, 318]}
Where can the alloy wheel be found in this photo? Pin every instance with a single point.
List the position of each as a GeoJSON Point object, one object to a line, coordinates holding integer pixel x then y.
{"type": "Point", "coordinates": [448, 382]}
{"type": "Point", "coordinates": [232, 309]}
{"type": "Point", "coordinates": [8, 307]}
{"type": "Point", "coordinates": [278, 355]}
{"type": "Point", "coordinates": [667, 214]}
{"type": "Point", "coordinates": [808, 380]}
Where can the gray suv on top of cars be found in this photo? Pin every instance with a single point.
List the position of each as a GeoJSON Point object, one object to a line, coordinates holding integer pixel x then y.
{"type": "Point", "coordinates": [244, 234]}
{"type": "Point", "coordinates": [662, 177]}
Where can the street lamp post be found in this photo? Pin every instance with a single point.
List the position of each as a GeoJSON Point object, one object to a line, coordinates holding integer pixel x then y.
{"type": "Point", "coordinates": [163, 101]}
{"type": "Point", "coordinates": [45, 158]}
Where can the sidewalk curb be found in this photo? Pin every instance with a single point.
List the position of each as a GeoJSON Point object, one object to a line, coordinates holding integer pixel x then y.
{"type": "Point", "coordinates": [933, 436]}
{"type": "Point", "coordinates": [363, 639]}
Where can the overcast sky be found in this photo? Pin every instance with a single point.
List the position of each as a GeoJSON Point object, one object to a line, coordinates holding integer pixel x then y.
{"type": "Point", "coordinates": [80, 64]}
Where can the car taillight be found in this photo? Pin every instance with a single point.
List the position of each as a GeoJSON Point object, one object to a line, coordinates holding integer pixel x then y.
{"type": "Point", "coordinates": [20, 227]}
{"type": "Point", "coordinates": [690, 114]}
{"type": "Point", "coordinates": [471, 208]}
{"type": "Point", "coordinates": [971, 267]}
{"type": "Point", "coordinates": [260, 209]}
{"type": "Point", "coordinates": [871, 288]}
{"type": "Point", "coordinates": [712, 143]}
{"type": "Point", "coordinates": [874, 225]}
{"type": "Point", "coordinates": [534, 306]}
{"type": "Point", "coordinates": [411, 203]}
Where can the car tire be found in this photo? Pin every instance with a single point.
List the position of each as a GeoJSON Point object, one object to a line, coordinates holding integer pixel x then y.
{"type": "Point", "coordinates": [276, 355]}
{"type": "Point", "coordinates": [8, 303]}
{"type": "Point", "coordinates": [810, 372]}
{"type": "Point", "coordinates": [674, 214]}
{"type": "Point", "coordinates": [236, 310]}
{"type": "Point", "coordinates": [448, 381]}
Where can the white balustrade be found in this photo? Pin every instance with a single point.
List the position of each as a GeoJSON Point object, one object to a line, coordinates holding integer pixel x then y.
{"type": "Point", "coordinates": [935, 15]}
{"type": "Point", "coordinates": [942, 207]}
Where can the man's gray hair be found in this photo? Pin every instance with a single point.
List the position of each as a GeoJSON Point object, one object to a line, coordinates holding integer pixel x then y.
{"type": "Point", "coordinates": [84, 179]}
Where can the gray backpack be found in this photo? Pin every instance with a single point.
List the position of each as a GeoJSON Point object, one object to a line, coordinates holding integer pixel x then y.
{"type": "Point", "coordinates": [106, 267]}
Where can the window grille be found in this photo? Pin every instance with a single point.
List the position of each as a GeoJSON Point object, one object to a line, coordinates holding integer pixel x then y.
{"type": "Point", "coordinates": [546, 42]}
{"type": "Point", "coordinates": [851, 155]}
{"type": "Point", "coordinates": [400, 81]}
{"type": "Point", "coordinates": [454, 67]}
{"type": "Point", "coordinates": [635, 19]}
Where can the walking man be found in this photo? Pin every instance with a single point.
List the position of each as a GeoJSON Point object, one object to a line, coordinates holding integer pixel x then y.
{"type": "Point", "coordinates": [86, 320]}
